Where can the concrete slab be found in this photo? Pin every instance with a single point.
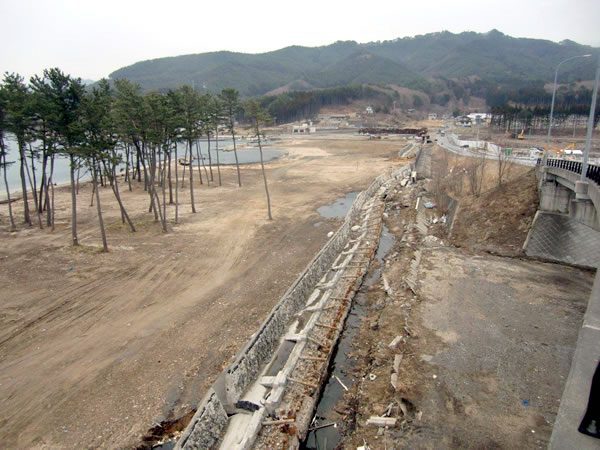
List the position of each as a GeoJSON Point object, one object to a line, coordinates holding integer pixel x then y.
{"type": "Point", "coordinates": [500, 333]}
{"type": "Point", "coordinates": [558, 237]}
{"type": "Point", "coordinates": [577, 389]}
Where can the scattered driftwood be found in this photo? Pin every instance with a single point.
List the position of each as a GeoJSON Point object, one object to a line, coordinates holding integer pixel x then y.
{"type": "Point", "coordinates": [278, 422]}
{"type": "Point", "coordinates": [340, 381]}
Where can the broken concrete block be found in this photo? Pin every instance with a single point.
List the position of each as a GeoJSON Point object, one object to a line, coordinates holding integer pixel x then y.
{"type": "Point", "coordinates": [330, 234]}
{"type": "Point", "coordinates": [395, 341]}
{"type": "Point", "coordinates": [394, 381]}
{"type": "Point", "coordinates": [397, 361]}
{"type": "Point", "coordinates": [355, 228]}
{"type": "Point", "coordinates": [381, 421]}
{"type": "Point", "coordinates": [386, 285]}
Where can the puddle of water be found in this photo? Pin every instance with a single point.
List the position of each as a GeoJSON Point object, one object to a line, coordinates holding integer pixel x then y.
{"type": "Point", "coordinates": [339, 208]}
{"type": "Point", "coordinates": [169, 445]}
{"type": "Point", "coordinates": [386, 242]}
{"type": "Point", "coordinates": [342, 365]}
{"type": "Point", "coordinates": [245, 156]}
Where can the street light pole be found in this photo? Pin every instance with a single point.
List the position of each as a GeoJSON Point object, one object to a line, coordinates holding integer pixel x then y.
{"type": "Point", "coordinates": [590, 125]}
{"type": "Point", "coordinates": [545, 158]}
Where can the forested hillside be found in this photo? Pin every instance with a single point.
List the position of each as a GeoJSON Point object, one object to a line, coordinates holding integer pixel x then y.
{"type": "Point", "coordinates": [415, 62]}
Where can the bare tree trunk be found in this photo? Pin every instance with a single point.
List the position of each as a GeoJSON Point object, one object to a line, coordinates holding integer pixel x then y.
{"type": "Point", "coordinates": [115, 187]}
{"type": "Point", "coordinates": [78, 180]}
{"type": "Point", "coordinates": [100, 221]}
{"type": "Point", "coordinates": [47, 200]}
{"type": "Point", "coordinates": [137, 162]}
{"type": "Point", "coordinates": [202, 159]}
{"type": "Point", "coordinates": [126, 162]}
{"type": "Point", "coordinates": [26, 216]}
{"type": "Point", "coordinates": [176, 186]}
{"type": "Point", "coordinates": [237, 164]}
{"type": "Point", "coordinates": [5, 167]}
{"type": "Point", "coordinates": [164, 189]}
{"type": "Point", "coordinates": [262, 165]}
{"type": "Point", "coordinates": [51, 184]}
{"type": "Point", "coordinates": [200, 162]}
{"type": "Point", "coordinates": [34, 190]}
{"type": "Point", "coordinates": [170, 182]}
{"type": "Point", "coordinates": [152, 185]}
{"type": "Point", "coordinates": [191, 176]}
{"type": "Point", "coordinates": [210, 158]}
{"type": "Point", "coordinates": [185, 159]}
{"type": "Point", "coordinates": [218, 163]}
{"type": "Point", "coordinates": [34, 183]}
{"type": "Point", "coordinates": [93, 193]}
{"type": "Point", "coordinates": [73, 203]}
{"type": "Point", "coordinates": [43, 182]}
{"type": "Point", "coordinates": [132, 172]}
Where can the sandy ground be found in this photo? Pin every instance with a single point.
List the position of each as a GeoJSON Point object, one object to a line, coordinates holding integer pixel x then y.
{"type": "Point", "coordinates": [96, 348]}
{"type": "Point", "coordinates": [485, 341]}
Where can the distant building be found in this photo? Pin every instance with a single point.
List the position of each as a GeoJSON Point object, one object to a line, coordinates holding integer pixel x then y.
{"type": "Point", "coordinates": [478, 118]}
{"type": "Point", "coordinates": [304, 128]}
{"type": "Point", "coordinates": [369, 110]}
{"type": "Point", "coordinates": [464, 121]}
{"type": "Point", "coordinates": [432, 116]}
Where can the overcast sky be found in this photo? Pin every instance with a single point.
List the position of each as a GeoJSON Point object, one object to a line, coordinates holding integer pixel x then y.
{"type": "Point", "coordinates": [90, 39]}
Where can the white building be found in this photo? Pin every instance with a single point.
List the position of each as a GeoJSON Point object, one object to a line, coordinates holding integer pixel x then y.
{"type": "Point", "coordinates": [479, 117]}
{"type": "Point", "coordinates": [369, 110]}
{"type": "Point", "coordinates": [304, 128]}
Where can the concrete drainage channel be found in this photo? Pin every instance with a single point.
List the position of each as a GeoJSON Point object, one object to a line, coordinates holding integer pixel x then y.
{"type": "Point", "coordinates": [325, 429]}
{"type": "Point", "coordinates": [267, 396]}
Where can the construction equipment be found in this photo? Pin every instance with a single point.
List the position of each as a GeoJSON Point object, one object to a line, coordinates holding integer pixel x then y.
{"type": "Point", "coordinates": [522, 135]}
{"type": "Point", "coordinates": [560, 152]}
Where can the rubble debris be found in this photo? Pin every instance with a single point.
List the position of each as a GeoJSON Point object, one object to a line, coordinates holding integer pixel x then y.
{"type": "Point", "coordinates": [397, 361]}
{"type": "Point", "coordinates": [395, 341]}
{"type": "Point", "coordinates": [393, 130]}
{"type": "Point", "coordinates": [394, 381]}
{"type": "Point", "coordinates": [386, 286]}
{"type": "Point", "coordinates": [341, 383]}
{"type": "Point", "coordinates": [382, 421]}
{"type": "Point", "coordinates": [318, 427]}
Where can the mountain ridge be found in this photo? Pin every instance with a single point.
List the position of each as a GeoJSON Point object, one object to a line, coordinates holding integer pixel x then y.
{"type": "Point", "coordinates": [415, 62]}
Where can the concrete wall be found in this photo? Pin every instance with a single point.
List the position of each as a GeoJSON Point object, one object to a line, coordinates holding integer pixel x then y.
{"type": "Point", "coordinates": [422, 163]}
{"type": "Point", "coordinates": [555, 197]}
{"type": "Point", "coordinates": [210, 420]}
{"type": "Point", "coordinates": [557, 194]}
{"type": "Point", "coordinates": [207, 425]}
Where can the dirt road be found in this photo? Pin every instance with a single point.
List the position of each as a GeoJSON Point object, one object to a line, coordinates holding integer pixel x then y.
{"type": "Point", "coordinates": [96, 348]}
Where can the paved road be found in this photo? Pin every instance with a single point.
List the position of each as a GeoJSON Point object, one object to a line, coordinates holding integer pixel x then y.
{"type": "Point", "coordinates": [448, 142]}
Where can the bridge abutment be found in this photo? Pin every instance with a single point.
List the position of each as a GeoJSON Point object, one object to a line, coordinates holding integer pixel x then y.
{"type": "Point", "coordinates": [561, 191]}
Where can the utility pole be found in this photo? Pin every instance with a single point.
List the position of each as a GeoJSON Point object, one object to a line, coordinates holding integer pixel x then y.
{"type": "Point", "coordinates": [590, 126]}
